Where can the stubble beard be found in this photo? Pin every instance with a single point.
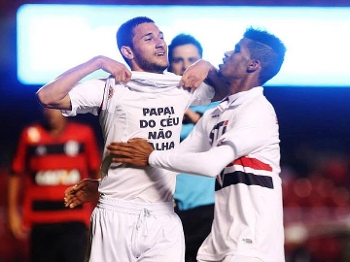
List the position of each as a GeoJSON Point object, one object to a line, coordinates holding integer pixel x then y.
{"type": "Point", "coordinates": [152, 67]}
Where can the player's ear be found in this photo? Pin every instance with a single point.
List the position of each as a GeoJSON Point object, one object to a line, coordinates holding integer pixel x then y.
{"type": "Point", "coordinates": [253, 65]}
{"type": "Point", "coordinates": [127, 52]}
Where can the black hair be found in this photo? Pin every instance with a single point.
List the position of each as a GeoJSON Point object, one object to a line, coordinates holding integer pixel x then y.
{"type": "Point", "coordinates": [126, 31]}
{"type": "Point", "coordinates": [268, 49]}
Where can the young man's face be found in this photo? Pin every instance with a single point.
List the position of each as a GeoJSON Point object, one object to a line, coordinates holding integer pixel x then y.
{"type": "Point", "coordinates": [150, 49]}
{"type": "Point", "coordinates": [236, 61]}
{"type": "Point", "coordinates": [182, 57]}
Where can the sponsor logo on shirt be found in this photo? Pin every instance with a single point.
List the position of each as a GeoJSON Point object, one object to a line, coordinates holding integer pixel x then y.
{"type": "Point", "coordinates": [57, 177]}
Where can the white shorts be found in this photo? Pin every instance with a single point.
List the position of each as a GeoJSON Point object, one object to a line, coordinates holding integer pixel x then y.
{"type": "Point", "coordinates": [125, 231]}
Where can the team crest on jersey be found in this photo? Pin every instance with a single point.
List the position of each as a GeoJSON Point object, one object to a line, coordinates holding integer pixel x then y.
{"type": "Point", "coordinates": [218, 130]}
{"type": "Point", "coordinates": [110, 92]}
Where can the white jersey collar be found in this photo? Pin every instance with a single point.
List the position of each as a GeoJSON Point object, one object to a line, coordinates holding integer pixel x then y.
{"type": "Point", "coordinates": [151, 82]}
{"type": "Point", "coordinates": [239, 98]}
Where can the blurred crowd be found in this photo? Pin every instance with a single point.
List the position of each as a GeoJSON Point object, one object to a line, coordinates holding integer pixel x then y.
{"type": "Point", "coordinates": [316, 205]}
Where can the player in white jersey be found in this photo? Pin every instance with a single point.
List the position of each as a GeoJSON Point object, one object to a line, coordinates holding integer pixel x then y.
{"type": "Point", "coordinates": [134, 219]}
{"type": "Point", "coordinates": [149, 106]}
{"type": "Point", "coordinates": [238, 142]}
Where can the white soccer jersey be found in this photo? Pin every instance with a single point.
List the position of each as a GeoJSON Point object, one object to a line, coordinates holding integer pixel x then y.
{"type": "Point", "coordinates": [242, 136]}
{"type": "Point", "coordinates": [150, 106]}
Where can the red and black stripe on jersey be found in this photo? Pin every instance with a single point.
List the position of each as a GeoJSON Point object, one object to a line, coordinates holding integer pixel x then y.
{"type": "Point", "coordinates": [34, 150]}
{"type": "Point", "coordinates": [225, 178]}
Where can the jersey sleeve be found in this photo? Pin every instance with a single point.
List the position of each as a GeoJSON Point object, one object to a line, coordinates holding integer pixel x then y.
{"type": "Point", "coordinates": [209, 163]}
{"type": "Point", "coordinates": [19, 160]}
{"type": "Point", "coordinates": [86, 97]}
{"type": "Point", "coordinates": [254, 130]}
{"type": "Point", "coordinates": [194, 155]}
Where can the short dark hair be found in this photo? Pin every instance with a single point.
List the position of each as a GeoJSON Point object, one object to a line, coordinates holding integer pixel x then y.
{"type": "Point", "coordinates": [268, 49]}
{"type": "Point", "coordinates": [126, 31]}
{"type": "Point", "coordinates": [183, 39]}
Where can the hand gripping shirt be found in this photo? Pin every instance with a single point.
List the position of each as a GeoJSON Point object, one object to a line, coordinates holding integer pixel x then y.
{"type": "Point", "coordinates": [149, 106]}
{"type": "Point", "coordinates": [238, 142]}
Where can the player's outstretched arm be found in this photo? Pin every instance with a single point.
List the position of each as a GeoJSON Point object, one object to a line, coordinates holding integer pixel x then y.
{"type": "Point", "coordinates": [136, 151]}
{"type": "Point", "coordinates": [55, 93]}
{"type": "Point", "coordinates": [85, 191]}
{"type": "Point", "coordinates": [14, 217]}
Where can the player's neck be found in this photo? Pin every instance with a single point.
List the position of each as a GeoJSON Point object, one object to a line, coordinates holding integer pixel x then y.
{"type": "Point", "coordinates": [58, 130]}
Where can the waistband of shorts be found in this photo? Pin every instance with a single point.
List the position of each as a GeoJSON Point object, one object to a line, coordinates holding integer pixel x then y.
{"type": "Point", "coordinates": [133, 207]}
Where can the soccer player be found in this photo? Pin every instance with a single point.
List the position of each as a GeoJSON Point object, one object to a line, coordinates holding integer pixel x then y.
{"type": "Point", "coordinates": [239, 143]}
{"type": "Point", "coordinates": [194, 195]}
{"type": "Point", "coordinates": [52, 155]}
{"type": "Point", "coordinates": [134, 219]}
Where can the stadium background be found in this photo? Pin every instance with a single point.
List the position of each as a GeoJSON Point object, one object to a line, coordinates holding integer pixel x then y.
{"type": "Point", "coordinates": [314, 128]}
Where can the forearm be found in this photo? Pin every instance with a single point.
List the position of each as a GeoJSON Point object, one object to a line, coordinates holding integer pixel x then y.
{"type": "Point", "coordinates": [13, 192]}
{"type": "Point", "coordinates": [96, 175]}
{"type": "Point", "coordinates": [55, 93]}
{"type": "Point", "coordinates": [192, 116]}
{"type": "Point", "coordinates": [209, 163]}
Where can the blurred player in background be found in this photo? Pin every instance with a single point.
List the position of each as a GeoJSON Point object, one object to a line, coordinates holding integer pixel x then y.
{"type": "Point", "coordinates": [52, 155]}
{"type": "Point", "coordinates": [194, 195]}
